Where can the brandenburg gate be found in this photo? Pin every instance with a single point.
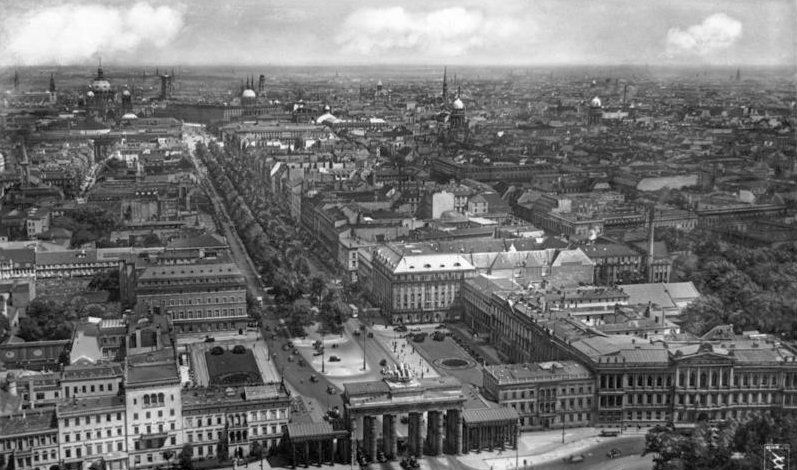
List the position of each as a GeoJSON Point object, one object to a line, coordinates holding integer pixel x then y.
{"type": "Point", "coordinates": [441, 399]}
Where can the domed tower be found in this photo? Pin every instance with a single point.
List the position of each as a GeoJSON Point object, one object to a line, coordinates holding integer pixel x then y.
{"type": "Point", "coordinates": [100, 96]}
{"type": "Point", "coordinates": [458, 114]}
{"type": "Point", "coordinates": [127, 101]}
{"type": "Point", "coordinates": [595, 112]}
{"type": "Point", "coordinates": [248, 101]}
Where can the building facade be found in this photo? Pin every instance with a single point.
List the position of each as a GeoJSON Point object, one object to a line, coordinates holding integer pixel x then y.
{"type": "Point", "coordinates": [201, 297]}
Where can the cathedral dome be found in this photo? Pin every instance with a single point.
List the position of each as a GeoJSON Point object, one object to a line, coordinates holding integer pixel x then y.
{"type": "Point", "coordinates": [458, 104]}
{"type": "Point", "coordinates": [90, 94]}
{"type": "Point", "coordinates": [248, 94]}
{"type": "Point", "coordinates": [101, 85]}
{"type": "Point", "coordinates": [595, 103]}
{"type": "Point", "coordinates": [126, 93]}
{"type": "Point", "coordinates": [129, 116]}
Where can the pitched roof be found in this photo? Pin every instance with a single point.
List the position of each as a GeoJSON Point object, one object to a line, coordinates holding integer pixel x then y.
{"type": "Point", "coordinates": [489, 415]}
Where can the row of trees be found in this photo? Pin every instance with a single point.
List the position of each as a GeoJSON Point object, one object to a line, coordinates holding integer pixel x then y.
{"type": "Point", "coordinates": [273, 241]}
{"type": "Point", "coordinates": [725, 446]}
{"type": "Point", "coordinates": [753, 288]}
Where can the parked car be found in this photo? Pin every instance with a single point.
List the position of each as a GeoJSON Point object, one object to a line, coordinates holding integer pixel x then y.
{"type": "Point", "coordinates": [438, 336]}
{"type": "Point", "coordinates": [313, 379]}
{"type": "Point", "coordinates": [334, 359]}
{"type": "Point", "coordinates": [609, 433]}
{"type": "Point", "coordinates": [578, 458]}
{"type": "Point", "coordinates": [400, 329]}
{"type": "Point", "coordinates": [614, 453]}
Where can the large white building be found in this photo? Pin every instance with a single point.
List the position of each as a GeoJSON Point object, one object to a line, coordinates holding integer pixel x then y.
{"type": "Point", "coordinates": [413, 284]}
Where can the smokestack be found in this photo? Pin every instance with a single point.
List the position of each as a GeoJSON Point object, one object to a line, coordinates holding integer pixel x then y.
{"type": "Point", "coordinates": [651, 214]}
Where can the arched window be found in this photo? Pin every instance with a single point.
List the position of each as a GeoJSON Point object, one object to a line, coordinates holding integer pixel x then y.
{"type": "Point", "coordinates": [160, 398]}
{"type": "Point", "coordinates": [650, 380]}
{"type": "Point", "coordinates": [146, 400]}
{"type": "Point", "coordinates": [692, 379]}
{"type": "Point", "coordinates": [658, 381]}
{"type": "Point", "coordinates": [702, 379]}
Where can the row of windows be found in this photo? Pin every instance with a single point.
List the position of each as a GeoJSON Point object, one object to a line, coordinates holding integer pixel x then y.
{"type": "Point", "coordinates": [91, 449]}
{"type": "Point", "coordinates": [148, 428]}
{"type": "Point", "coordinates": [93, 389]}
{"type": "Point", "coordinates": [724, 398]}
{"type": "Point", "coordinates": [87, 419]}
{"type": "Point", "coordinates": [23, 443]}
{"type": "Point", "coordinates": [545, 393]}
{"type": "Point", "coordinates": [198, 301]}
{"type": "Point", "coordinates": [200, 313]}
{"type": "Point", "coordinates": [43, 456]}
{"type": "Point", "coordinates": [237, 419]}
{"type": "Point", "coordinates": [88, 434]}
{"type": "Point", "coordinates": [171, 398]}
{"type": "Point", "coordinates": [148, 414]}
{"type": "Point", "coordinates": [713, 380]}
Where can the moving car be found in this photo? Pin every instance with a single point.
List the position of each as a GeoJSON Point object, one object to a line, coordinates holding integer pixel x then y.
{"type": "Point", "coordinates": [313, 379]}
{"type": "Point", "coordinates": [578, 458]}
{"type": "Point", "coordinates": [334, 359]}
{"type": "Point", "coordinates": [614, 453]}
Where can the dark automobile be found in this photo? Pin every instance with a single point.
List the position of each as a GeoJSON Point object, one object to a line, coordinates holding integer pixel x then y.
{"type": "Point", "coordinates": [400, 329]}
{"type": "Point", "coordinates": [331, 390]}
{"type": "Point", "coordinates": [313, 379]}
{"type": "Point", "coordinates": [578, 458]}
{"type": "Point", "coordinates": [334, 359]}
{"type": "Point", "coordinates": [609, 433]}
{"type": "Point", "coordinates": [614, 453]}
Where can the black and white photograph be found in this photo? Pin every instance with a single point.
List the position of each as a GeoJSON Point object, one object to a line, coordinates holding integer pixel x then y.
{"type": "Point", "coordinates": [398, 234]}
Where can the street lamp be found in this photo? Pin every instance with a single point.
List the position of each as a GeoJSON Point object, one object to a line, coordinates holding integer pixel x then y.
{"type": "Point", "coordinates": [362, 329]}
{"type": "Point", "coordinates": [322, 352]}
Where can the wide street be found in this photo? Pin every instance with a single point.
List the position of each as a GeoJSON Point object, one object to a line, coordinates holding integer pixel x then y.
{"type": "Point", "coordinates": [237, 249]}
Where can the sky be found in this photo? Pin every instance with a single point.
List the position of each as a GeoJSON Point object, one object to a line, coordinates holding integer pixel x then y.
{"type": "Point", "coordinates": [341, 32]}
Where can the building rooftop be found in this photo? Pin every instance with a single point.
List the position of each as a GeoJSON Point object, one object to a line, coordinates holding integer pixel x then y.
{"type": "Point", "coordinates": [92, 371]}
{"type": "Point", "coordinates": [490, 415]}
{"type": "Point", "coordinates": [90, 405]}
{"type": "Point", "coordinates": [538, 372]}
{"type": "Point", "coordinates": [28, 423]}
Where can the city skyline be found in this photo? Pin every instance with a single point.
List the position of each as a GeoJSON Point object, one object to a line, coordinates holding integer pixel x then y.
{"type": "Point", "coordinates": [513, 33]}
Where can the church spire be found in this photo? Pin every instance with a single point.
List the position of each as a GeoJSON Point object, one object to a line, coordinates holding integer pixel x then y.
{"type": "Point", "coordinates": [16, 80]}
{"type": "Point", "coordinates": [445, 84]}
{"type": "Point", "coordinates": [52, 83]}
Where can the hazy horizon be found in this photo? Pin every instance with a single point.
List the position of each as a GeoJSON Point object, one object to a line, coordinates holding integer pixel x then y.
{"type": "Point", "coordinates": [510, 33]}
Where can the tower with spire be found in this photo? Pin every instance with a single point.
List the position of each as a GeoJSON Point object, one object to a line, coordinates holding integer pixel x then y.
{"type": "Point", "coordinates": [16, 80]}
{"type": "Point", "coordinates": [52, 83]}
{"type": "Point", "coordinates": [445, 85]}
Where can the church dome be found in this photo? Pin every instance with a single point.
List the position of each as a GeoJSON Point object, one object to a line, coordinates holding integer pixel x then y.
{"type": "Point", "coordinates": [595, 103]}
{"type": "Point", "coordinates": [101, 85]}
{"type": "Point", "coordinates": [248, 94]}
{"type": "Point", "coordinates": [90, 94]}
{"type": "Point", "coordinates": [129, 116]}
{"type": "Point", "coordinates": [126, 93]}
{"type": "Point", "coordinates": [458, 104]}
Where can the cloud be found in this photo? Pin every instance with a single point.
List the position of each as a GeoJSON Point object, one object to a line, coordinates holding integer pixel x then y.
{"type": "Point", "coordinates": [75, 33]}
{"type": "Point", "coordinates": [717, 32]}
{"type": "Point", "coordinates": [448, 32]}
